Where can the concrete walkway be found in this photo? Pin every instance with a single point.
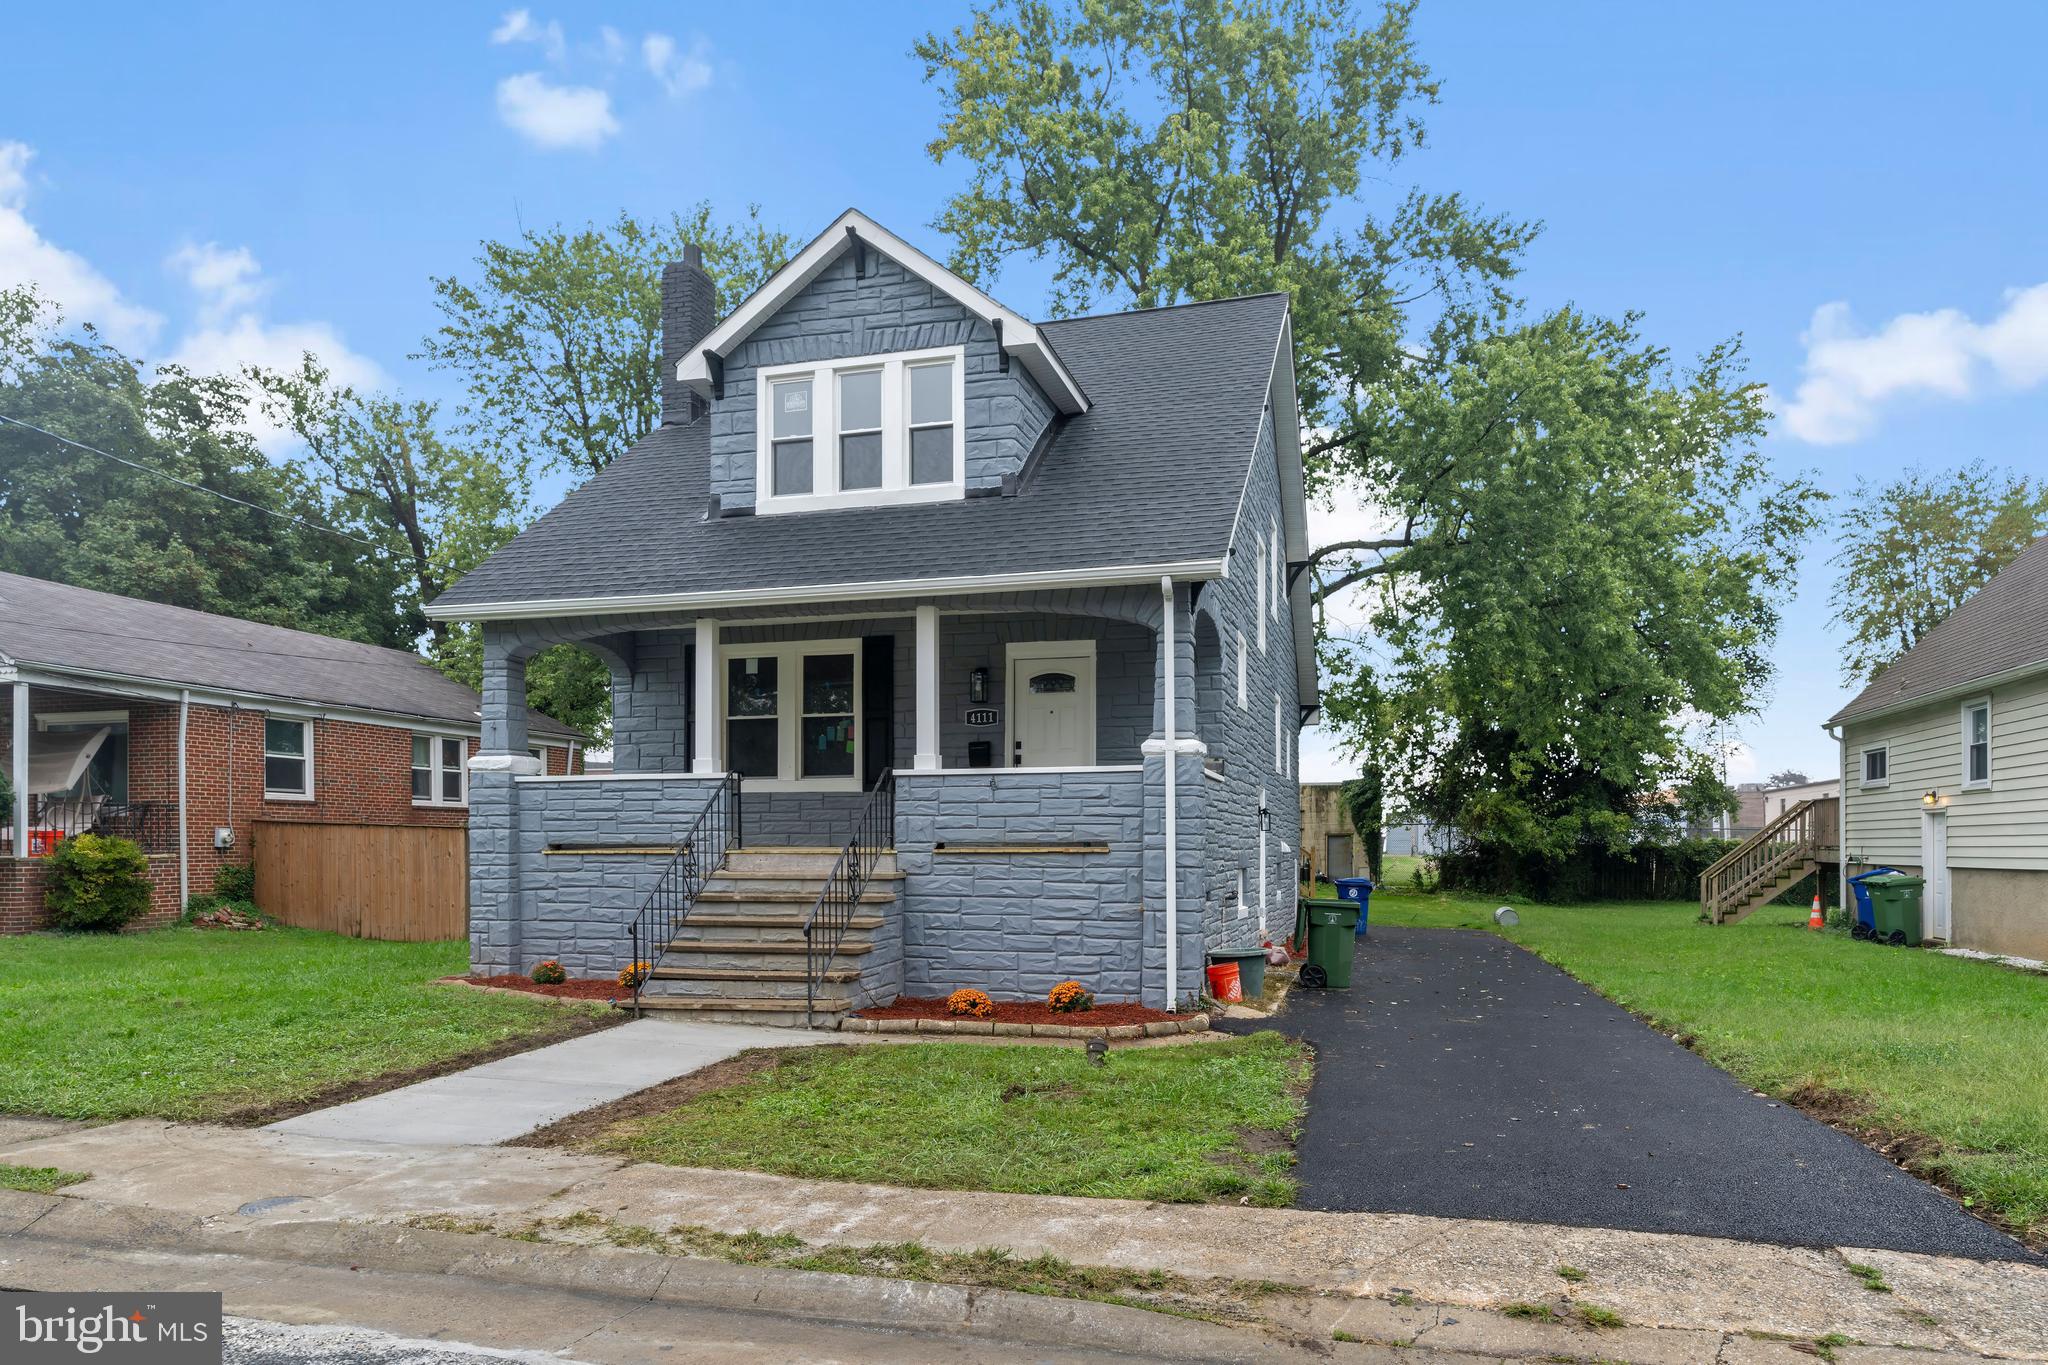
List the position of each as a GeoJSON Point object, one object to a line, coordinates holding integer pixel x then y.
{"type": "Point", "coordinates": [511, 1097]}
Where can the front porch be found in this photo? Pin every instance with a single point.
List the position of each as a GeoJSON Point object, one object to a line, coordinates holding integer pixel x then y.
{"type": "Point", "coordinates": [1014, 747]}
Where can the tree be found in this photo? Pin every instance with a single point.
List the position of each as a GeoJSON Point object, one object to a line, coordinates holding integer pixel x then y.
{"type": "Point", "coordinates": [557, 341]}
{"type": "Point", "coordinates": [1789, 777]}
{"type": "Point", "coordinates": [1361, 799]}
{"type": "Point", "coordinates": [241, 535]}
{"type": "Point", "coordinates": [1914, 548]}
{"type": "Point", "coordinates": [1581, 552]}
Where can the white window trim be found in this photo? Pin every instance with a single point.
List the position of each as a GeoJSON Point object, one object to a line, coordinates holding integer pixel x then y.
{"type": "Point", "coordinates": [1964, 725]}
{"type": "Point", "coordinates": [826, 494]}
{"type": "Point", "coordinates": [271, 793]}
{"type": "Point", "coordinates": [1244, 702]}
{"type": "Point", "coordinates": [435, 770]}
{"type": "Point", "coordinates": [1265, 576]}
{"type": "Point", "coordinates": [1274, 553]}
{"type": "Point", "coordinates": [1863, 754]}
{"type": "Point", "coordinates": [789, 721]}
{"type": "Point", "coordinates": [1279, 745]}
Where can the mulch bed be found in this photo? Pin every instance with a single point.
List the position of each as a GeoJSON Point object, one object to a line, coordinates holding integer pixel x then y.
{"type": "Point", "coordinates": [1025, 1012]}
{"type": "Point", "coordinates": [576, 988]}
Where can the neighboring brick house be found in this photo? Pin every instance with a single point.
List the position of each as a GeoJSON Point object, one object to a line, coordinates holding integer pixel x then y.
{"type": "Point", "coordinates": [279, 725]}
{"type": "Point", "coordinates": [1014, 605]}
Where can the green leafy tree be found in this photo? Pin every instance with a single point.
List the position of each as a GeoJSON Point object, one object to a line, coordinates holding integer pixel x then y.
{"type": "Point", "coordinates": [77, 517]}
{"type": "Point", "coordinates": [1579, 553]}
{"type": "Point", "coordinates": [1787, 777]}
{"type": "Point", "coordinates": [1914, 548]}
{"type": "Point", "coordinates": [1363, 802]}
{"type": "Point", "coordinates": [557, 338]}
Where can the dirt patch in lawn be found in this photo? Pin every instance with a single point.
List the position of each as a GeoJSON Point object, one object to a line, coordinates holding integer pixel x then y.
{"type": "Point", "coordinates": [1024, 1012]}
{"type": "Point", "coordinates": [591, 1124]}
{"type": "Point", "coordinates": [600, 988]}
{"type": "Point", "coordinates": [559, 1031]}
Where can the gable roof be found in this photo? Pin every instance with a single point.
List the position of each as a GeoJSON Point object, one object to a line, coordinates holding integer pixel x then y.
{"type": "Point", "coordinates": [77, 631]}
{"type": "Point", "coordinates": [1147, 481]}
{"type": "Point", "coordinates": [2000, 631]}
{"type": "Point", "coordinates": [1021, 340]}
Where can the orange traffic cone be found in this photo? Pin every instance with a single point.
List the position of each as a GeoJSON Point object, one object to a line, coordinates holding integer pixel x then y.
{"type": "Point", "coordinates": [1816, 920]}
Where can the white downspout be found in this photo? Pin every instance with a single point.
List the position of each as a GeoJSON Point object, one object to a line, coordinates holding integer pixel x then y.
{"type": "Point", "coordinates": [184, 844]}
{"type": "Point", "coordinates": [1842, 819]}
{"type": "Point", "coordinates": [19, 762]}
{"type": "Point", "coordinates": [1262, 864]}
{"type": "Point", "coordinates": [1170, 661]}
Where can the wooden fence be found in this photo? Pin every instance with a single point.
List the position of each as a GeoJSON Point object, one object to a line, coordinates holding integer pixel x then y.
{"type": "Point", "coordinates": [367, 881]}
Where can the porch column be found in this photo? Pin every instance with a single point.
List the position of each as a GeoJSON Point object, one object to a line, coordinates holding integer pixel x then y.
{"type": "Point", "coordinates": [19, 776]}
{"type": "Point", "coordinates": [926, 756]}
{"type": "Point", "coordinates": [503, 696]}
{"type": "Point", "coordinates": [704, 752]}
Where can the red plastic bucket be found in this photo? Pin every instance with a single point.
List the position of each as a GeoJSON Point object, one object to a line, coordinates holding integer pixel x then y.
{"type": "Point", "coordinates": [1223, 982]}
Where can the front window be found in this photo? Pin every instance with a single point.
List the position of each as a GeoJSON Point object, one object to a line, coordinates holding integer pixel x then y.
{"type": "Point", "coordinates": [862, 432]}
{"type": "Point", "coordinates": [792, 712]}
{"type": "Point", "coordinates": [288, 758]}
{"type": "Point", "coordinates": [827, 741]}
{"type": "Point", "coordinates": [439, 771]}
{"type": "Point", "coordinates": [753, 699]}
{"type": "Point", "coordinates": [1977, 744]}
{"type": "Point", "coordinates": [1876, 767]}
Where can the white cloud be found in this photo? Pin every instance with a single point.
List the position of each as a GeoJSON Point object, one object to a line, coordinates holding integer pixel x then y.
{"type": "Point", "coordinates": [224, 280]}
{"type": "Point", "coordinates": [555, 116]}
{"type": "Point", "coordinates": [612, 43]}
{"type": "Point", "coordinates": [680, 73]}
{"type": "Point", "coordinates": [1850, 374]}
{"type": "Point", "coordinates": [517, 26]}
{"type": "Point", "coordinates": [63, 277]}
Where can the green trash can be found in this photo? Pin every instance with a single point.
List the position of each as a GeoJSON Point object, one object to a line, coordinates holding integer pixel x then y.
{"type": "Point", "coordinates": [1332, 930]}
{"type": "Point", "coordinates": [1895, 908]}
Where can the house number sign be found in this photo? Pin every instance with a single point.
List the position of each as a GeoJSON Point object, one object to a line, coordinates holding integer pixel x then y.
{"type": "Point", "coordinates": [984, 716]}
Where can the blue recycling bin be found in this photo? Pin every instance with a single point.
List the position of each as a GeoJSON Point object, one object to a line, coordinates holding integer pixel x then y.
{"type": "Point", "coordinates": [1357, 889]}
{"type": "Point", "coordinates": [1866, 918]}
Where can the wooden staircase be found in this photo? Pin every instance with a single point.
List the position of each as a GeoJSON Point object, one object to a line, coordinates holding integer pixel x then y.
{"type": "Point", "coordinates": [739, 956]}
{"type": "Point", "coordinates": [1773, 860]}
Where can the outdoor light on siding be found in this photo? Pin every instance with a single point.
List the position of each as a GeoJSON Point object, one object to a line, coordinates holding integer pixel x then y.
{"type": "Point", "coordinates": [1930, 798]}
{"type": "Point", "coordinates": [977, 686]}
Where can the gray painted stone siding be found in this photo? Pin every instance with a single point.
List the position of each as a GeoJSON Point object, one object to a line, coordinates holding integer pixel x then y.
{"type": "Point", "coordinates": [651, 705]}
{"type": "Point", "coordinates": [837, 316]}
{"type": "Point", "coordinates": [1126, 657]}
{"type": "Point", "coordinates": [1017, 924]}
{"type": "Point", "coordinates": [1242, 737]}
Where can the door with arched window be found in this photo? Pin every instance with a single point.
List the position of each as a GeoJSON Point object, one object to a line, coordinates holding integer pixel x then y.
{"type": "Point", "coordinates": [1051, 704]}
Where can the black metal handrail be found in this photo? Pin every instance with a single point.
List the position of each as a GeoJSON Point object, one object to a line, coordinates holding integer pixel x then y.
{"type": "Point", "coordinates": [874, 833]}
{"type": "Point", "coordinates": [714, 834]}
{"type": "Point", "coordinates": [151, 824]}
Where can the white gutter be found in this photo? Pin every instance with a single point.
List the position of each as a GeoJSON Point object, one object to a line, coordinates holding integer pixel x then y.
{"type": "Point", "coordinates": [1841, 737]}
{"type": "Point", "coordinates": [1171, 665]}
{"type": "Point", "coordinates": [184, 844]}
{"type": "Point", "coordinates": [1110, 577]}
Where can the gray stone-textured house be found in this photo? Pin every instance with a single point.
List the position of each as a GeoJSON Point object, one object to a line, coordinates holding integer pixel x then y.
{"type": "Point", "coordinates": [1022, 596]}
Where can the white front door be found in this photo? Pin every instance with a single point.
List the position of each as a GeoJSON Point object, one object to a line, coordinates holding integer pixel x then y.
{"type": "Point", "coordinates": [1051, 695]}
{"type": "Point", "coordinates": [1934, 916]}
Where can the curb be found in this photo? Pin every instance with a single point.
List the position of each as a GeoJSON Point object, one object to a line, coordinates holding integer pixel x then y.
{"type": "Point", "coordinates": [1162, 1028]}
{"type": "Point", "coordinates": [614, 1272]}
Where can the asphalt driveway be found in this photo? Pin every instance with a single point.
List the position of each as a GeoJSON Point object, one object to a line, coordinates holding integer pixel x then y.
{"type": "Point", "coordinates": [1463, 1077]}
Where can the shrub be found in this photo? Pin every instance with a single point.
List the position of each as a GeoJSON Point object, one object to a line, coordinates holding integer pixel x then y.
{"type": "Point", "coordinates": [97, 883]}
{"type": "Point", "coordinates": [236, 882]}
{"type": "Point", "coordinates": [549, 973]}
{"type": "Point", "coordinates": [633, 973]}
{"type": "Point", "coordinates": [1070, 997]}
{"type": "Point", "coordinates": [970, 1003]}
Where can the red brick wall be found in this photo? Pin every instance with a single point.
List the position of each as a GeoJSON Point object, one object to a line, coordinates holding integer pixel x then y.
{"type": "Point", "coordinates": [21, 894]}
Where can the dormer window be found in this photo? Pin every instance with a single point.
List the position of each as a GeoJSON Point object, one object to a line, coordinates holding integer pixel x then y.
{"type": "Point", "coordinates": [862, 432]}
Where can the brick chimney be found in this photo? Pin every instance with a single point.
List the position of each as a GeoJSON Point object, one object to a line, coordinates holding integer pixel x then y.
{"type": "Point", "coordinates": [686, 308]}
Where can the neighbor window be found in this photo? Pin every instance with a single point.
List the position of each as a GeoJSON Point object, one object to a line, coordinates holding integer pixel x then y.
{"type": "Point", "coordinates": [792, 712]}
{"type": "Point", "coordinates": [438, 770]}
{"type": "Point", "coordinates": [288, 758]}
{"type": "Point", "coordinates": [863, 431]}
{"type": "Point", "coordinates": [1977, 744]}
{"type": "Point", "coordinates": [1876, 767]}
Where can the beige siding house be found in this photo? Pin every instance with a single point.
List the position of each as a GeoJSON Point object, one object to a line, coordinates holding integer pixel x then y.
{"type": "Point", "coordinates": [1945, 766]}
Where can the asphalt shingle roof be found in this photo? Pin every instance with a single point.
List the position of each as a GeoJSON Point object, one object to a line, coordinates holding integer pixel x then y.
{"type": "Point", "coordinates": [1151, 474]}
{"type": "Point", "coordinates": [2002, 628]}
{"type": "Point", "coordinates": [69, 629]}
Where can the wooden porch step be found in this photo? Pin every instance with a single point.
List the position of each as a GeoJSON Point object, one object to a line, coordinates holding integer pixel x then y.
{"type": "Point", "coordinates": [792, 975]}
{"type": "Point", "coordinates": [694, 945]}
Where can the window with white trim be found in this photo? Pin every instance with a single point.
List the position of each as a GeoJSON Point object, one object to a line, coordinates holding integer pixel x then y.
{"type": "Point", "coordinates": [1279, 572]}
{"type": "Point", "coordinates": [1243, 667]}
{"type": "Point", "coordinates": [1265, 576]}
{"type": "Point", "coordinates": [287, 759]}
{"type": "Point", "coordinates": [1977, 744]}
{"type": "Point", "coordinates": [440, 770]}
{"type": "Point", "coordinates": [792, 712]}
{"type": "Point", "coordinates": [1279, 749]}
{"type": "Point", "coordinates": [862, 432]}
{"type": "Point", "coordinates": [1877, 762]}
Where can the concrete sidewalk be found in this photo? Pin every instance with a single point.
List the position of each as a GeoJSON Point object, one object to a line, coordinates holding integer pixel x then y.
{"type": "Point", "coordinates": [513, 1096]}
{"type": "Point", "coordinates": [1388, 1265]}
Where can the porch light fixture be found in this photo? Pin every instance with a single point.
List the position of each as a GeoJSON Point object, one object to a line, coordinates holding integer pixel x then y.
{"type": "Point", "coordinates": [977, 686]}
{"type": "Point", "coordinates": [1930, 798]}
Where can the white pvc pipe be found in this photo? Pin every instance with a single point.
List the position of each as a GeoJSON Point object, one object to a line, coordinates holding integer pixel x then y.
{"type": "Point", "coordinates": [184, 843]}
{"type": "Point", "coordinates": [1262, 864]}
{"type": "Point", "coordinates": [1169, 660]}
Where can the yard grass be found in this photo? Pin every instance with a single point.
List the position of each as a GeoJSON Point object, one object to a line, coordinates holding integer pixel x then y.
{"type": "Point", "coordinates": [1192, 1123]}
{"type": "Point", "coordinates": [1947, 1054]}
{"type": "Point", "coordinates": [194, 1024]}
{"type": "Point", "coordinates": [38, 1179]}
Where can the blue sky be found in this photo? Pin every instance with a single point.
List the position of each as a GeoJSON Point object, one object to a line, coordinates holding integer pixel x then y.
{"type": "Point", "coordinates": [1858, 189]}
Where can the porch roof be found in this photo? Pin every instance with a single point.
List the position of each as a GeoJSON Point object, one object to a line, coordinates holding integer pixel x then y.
{"type": "Point", "coordinates": [1151, 475]}
{"type": "Point", "coordinates": [89, 636]}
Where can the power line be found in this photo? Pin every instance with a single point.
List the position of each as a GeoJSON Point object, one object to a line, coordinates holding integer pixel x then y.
{"type": "Point", "coordinates": [197, 488]}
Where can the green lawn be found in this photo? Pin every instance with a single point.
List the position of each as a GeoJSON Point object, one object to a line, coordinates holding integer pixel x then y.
{"type": "Point", "coordinates": [1190, 1123]}
{"type": "Point", "coordinates": [38, 1179]}
{"type": "Point", "coordinates": [195, 1024]}
{"type": "Point", "coordinates": [1925, 1044]}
